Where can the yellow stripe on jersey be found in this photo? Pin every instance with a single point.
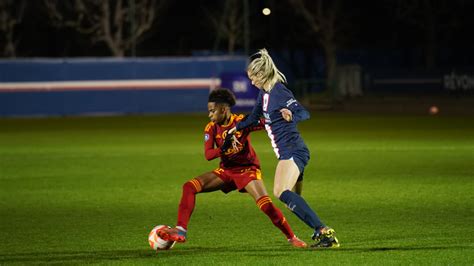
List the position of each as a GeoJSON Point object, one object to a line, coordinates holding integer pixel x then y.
{"type": "Point", "coordinates": [231, 120]}
{"type": "Point", "coordinates": [208, 126]}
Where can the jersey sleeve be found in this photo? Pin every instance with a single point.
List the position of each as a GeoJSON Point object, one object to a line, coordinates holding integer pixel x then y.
{"type": "Point", "coordinates": [209, 136]}
{"type": "Point", "coordinates": [258, 125]}
{"type": "Point", "coordinates": [254, 116]}
{"type": "Point", "coordinates": [298, 111]}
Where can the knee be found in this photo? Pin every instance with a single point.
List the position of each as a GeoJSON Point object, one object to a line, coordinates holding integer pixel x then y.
{"type": "Point", "coordinates": [193, 186]}
{"type": "Point", "coordinates": [188, 186]}
{"type": "Point", "coordinates": [277, 192]}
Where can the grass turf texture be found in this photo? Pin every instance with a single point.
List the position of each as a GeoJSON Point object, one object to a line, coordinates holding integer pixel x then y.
{"type": "Point", "coordinates": [397, 189]}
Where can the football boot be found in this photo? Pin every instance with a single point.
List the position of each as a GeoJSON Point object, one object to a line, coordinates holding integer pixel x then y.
{"type": "Point", "coordinates": [325, 237]}
{"type": "Point", "coordinates": [296, 242]}
{"type": "Point", "coordinates": [172, 234]}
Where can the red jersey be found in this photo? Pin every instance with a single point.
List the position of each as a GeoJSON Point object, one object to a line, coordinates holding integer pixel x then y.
{"type": "Point", "coordinates": [244, 155]}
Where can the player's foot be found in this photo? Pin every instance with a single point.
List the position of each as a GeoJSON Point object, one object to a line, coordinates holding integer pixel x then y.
{"type": "Point", "coordinates": [296, 242]}
{"type": "Point", "coordinates": [325, 237]}
{"type": "Point", "coordinates": [173, 234]}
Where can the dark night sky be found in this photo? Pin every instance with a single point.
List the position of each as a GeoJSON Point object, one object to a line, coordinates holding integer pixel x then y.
{"type": "Point", "coordinates": [184, 27]}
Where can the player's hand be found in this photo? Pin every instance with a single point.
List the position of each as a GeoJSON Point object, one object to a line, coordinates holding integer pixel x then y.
{"type": "Point", "coordinates": [287, 114]}
{"type": "Point", "coordinates": [230, 140]}
{"type": "Point", "coordinates": [227, 142]}
{"type": "Point", "coordinates": [235, 141]}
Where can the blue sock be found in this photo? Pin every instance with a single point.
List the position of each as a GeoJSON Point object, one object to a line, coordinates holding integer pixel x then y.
{"type": "Point", "coordinates": [298, 206]}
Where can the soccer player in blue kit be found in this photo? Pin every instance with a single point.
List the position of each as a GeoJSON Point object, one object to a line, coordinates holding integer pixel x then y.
{"type": "Point", "coordinates": [282, 112]}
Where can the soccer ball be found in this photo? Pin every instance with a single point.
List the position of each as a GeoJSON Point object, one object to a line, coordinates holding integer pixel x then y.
{"type": "Point", "coordinates": [433, 110]}
{"type": "Point", "coordinates": [156, 242]}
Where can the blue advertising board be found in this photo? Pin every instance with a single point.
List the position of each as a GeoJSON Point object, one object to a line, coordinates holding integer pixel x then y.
{"type": "Point", "coordinates": [110, 86]}
{"type": "Point", "coordinates": [244, 91]}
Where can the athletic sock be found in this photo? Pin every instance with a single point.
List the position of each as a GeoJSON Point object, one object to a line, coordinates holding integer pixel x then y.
{"type": "Point", "coordinates": [265, 204]}
{"type": "Point", "coordinates": [188, 201]}
{"type": "Point", "coordinates": [298, 206]}
{"type": "Point", "coordinates": [180, 228]}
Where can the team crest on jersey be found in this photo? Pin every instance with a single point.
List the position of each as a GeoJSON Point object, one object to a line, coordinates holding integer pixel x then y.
{"type": "Point", "coordinates": [206, 137]}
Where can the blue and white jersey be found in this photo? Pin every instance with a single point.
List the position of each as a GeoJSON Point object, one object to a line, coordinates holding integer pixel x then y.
{"type": "Point", "coordinates": [284, 136]}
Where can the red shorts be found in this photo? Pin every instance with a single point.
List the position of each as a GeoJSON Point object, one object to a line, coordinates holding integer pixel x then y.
{"type": "Point", "coordinates": [237, 178]}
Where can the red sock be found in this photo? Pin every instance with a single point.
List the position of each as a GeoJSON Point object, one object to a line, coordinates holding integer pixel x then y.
{"type": "Point", "coordinates": [187, 203]}
{"type": "Point", "coordinates": [265, 204]}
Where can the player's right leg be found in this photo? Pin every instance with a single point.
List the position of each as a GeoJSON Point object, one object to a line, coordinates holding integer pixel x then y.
{"type": "Point", "coordinates": [206, 182]}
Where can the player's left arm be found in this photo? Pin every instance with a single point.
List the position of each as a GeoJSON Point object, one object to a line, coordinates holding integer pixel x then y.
{"type": "Point", "coordinates": [293, 110]}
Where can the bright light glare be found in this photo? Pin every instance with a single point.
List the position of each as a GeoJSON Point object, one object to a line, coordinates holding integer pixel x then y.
{"type": "Point", "coordinates": [266, 11]}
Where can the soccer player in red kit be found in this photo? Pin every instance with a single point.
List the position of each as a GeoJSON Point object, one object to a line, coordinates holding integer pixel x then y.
{"type": "Point", "coordinates": [239, 169]}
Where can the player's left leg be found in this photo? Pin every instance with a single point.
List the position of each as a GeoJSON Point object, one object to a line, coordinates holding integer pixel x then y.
{"type": "Point", "coordinates": [257, 190]}
{"type": "Point", "coordinates": [286, 175]}
{"type": "Point", "coordinates": [325, 237]}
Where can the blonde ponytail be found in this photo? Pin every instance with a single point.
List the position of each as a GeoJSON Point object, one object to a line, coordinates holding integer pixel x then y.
{"type": "Point", "coordinates": [263, 68]}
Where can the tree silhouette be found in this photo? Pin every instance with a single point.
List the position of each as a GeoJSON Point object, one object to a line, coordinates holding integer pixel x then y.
{"type": "Point", "coordinates": [229, 24]}
{"type": "Point", "coordinates": [120, 24]}
{"type": "Point", "coordinates": [323, 19]}
{"type": "Point", "coordinates": [430, 17]}
{"type": "Point", "coordinates": [11, 15]}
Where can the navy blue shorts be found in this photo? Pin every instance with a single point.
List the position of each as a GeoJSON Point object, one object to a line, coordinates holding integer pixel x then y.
{"type": "Point", "coordinates": [300, 177]}
{"type": "Point", "coordinates": [301, 160]}
{"type": "Point", "coordinates": [300, 157]}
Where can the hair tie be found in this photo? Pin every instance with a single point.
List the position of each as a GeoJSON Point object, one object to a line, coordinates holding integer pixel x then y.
{"type": "Point", "coordinates": [255, 56]}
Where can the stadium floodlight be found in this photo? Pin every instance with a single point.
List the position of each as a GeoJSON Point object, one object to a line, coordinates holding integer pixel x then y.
{"type": "Point", "coordinates": [266, 11]}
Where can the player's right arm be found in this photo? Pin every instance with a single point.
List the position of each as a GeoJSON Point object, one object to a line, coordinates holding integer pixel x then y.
{"type": "Point", "coordinates": [254, 116]}
{"type": "Point", "coordinates": [210, 152]}
{"type": "Point", "coordinates": [259, 125]}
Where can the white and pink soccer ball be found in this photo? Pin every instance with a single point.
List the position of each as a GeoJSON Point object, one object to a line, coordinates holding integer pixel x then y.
{"type": "Point", "coordinates": [158, 243]}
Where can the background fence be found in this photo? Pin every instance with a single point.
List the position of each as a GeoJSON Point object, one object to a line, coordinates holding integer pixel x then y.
{"type": "Point", "coordinates": [42, 87]}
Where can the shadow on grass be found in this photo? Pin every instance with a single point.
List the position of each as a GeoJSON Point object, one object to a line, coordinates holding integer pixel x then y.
{"type": "Point", "coordinates": [74, 256]}
{"type": "Point", "coordinates": [65, 257]}
{"type": "Point", "coordinates": [146, 254]}
{"type": "Point", "coordinates": [383, 249]}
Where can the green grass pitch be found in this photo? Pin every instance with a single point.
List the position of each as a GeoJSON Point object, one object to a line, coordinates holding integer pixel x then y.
{"type": "Point", "coordinates": [398, 189]}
